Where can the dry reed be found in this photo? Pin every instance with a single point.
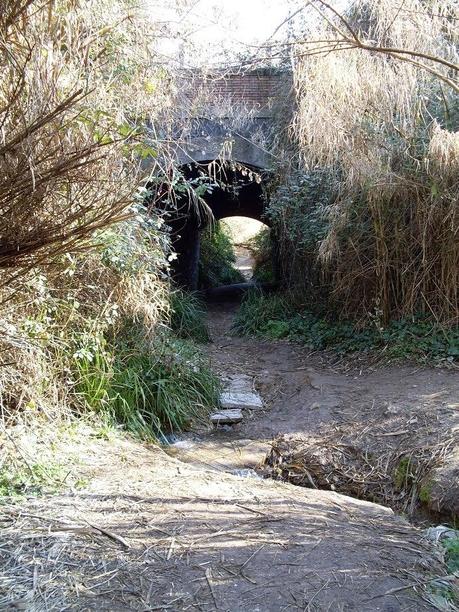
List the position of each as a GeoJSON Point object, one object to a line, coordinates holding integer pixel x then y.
{"type": "Point", "coordinates": [75, 88]}
{"type": "Point", "coordinates": [392, 244]}
{"type": "Point", "coordinates": [76, 82]}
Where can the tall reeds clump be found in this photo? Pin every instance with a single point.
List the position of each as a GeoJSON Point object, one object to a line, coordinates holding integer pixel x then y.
{"type": "Point", "coordinates": [84, 289]}
{"type": "Point", "coordinates": [383, 126]}
{"type": "Point", "coordinates": [68, 168]}
{"type": "Point", "coordinates": [59, 156]}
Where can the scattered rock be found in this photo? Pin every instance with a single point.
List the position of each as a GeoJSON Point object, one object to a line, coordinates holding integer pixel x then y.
{"type": "Point", "coordinates": [239, 382]}
{"type": "Point", "coordinates": [238, 395]}
{"type": "Point", "coordinates": [183, 444]}
{"type": "Point", "coordinates": [436, 534]}
{"type": "Point", "coordinates": [247, 473]}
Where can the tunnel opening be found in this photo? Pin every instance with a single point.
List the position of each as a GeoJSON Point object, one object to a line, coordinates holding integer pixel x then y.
{"type": "Point", "coordinates": [251, 241]}
{"type": "Point", "coordinates": [233, 250]}
{"type": "Point", "coordinates": [220, 190]}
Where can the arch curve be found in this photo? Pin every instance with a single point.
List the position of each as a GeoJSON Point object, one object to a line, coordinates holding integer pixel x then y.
{"type": "Point", "coordinates": [238, 191]}
{"type": "Point", "coordinates": [211, 139]}
{"type": "Point", "coordinates": [238, 188]}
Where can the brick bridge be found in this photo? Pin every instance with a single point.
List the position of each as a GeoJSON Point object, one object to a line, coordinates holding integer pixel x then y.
{"type": "Point", "coordinates": [225, 132]}
{"type": "Point", "coordinates": [234, 116]}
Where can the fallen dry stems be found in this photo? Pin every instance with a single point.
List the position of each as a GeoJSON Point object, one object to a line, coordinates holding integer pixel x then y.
{"type": "Point", "coordinates": [393, 478]}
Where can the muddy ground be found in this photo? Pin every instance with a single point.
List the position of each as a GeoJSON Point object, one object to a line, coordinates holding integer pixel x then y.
{"type": "Point", "coordinates": [152, 531]}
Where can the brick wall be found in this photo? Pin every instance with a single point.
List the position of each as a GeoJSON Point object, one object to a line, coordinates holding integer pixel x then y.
{"type": "Point", "coordinates": [253, 89]}
{"type": "Point", "coordinates": [249, 88]}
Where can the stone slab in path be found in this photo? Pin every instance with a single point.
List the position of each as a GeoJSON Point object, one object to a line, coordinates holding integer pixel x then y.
{"type": "Point", "coordinates": [244, 401]}
{"type": "Point", "coordinates": [239, 383]}
{"type": "Point", "coordinates": [238, 395]}
{"type": "Point", "coordinates": [226, 417]}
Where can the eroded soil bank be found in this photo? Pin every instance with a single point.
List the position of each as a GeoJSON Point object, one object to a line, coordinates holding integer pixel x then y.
{"type": "Point", "coordinates": [150, 532]}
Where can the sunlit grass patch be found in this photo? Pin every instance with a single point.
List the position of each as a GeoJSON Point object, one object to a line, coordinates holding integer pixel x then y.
{"type": "Point", "coordinates": [218, 258]}
{"type": "Point", "coordinates": [43, 457]}
{"type": "Point", "coordinates": [151, 388]}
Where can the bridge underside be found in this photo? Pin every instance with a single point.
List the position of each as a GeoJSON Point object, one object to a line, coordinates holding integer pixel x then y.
{"type": "Point", "coordinates": [237, 191]}
{"type": "Point", "coordinates": [237, 188]}
{"type": "Point", "coordinates": [212, 140]}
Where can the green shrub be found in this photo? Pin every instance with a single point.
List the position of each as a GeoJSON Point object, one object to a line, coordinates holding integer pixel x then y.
{"type": "Point", "coordinates": [187, 317]}
{"type": "Point", "coordinates": [299, 213]}
{"type": "Point", "coordinates": [258, 313]}
{"type": "Point", "coordinates": [280, 317]}
{"type": "Point", "coordinates": [151, 389]}
{"type": "Point", "coordinates": [261, 247]}
{"type": "Point", "coordinates": [216, 264]}
{"type": "Point", "coordinates": [162, 388]}
{"type": "Point", "coordinates": [452, 554]}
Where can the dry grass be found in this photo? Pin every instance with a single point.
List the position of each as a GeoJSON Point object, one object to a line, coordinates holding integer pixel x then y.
{"type": "Point", "coordinates": [54, 149]}
{"type": "Point", "coordinates": [392, 241]}
{"type": "Point", "coordinates": [76, 84]}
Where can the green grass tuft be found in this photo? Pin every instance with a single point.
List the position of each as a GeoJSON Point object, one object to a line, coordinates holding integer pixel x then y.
{"type": "Point", "coordinates": [452, 554]}
{"type": "Point", "coordinates": [188, 316]}
{"type": "Point", "coordinates": [260, 314]}
{"type": "Point", "coordinates": [151, 389]}
{"type": "Point", "coordinates": [32, 479]}
{"type": "Point", "coordinates": [403, 476]}
{"type": "Point", "coordinates": [425, 493]}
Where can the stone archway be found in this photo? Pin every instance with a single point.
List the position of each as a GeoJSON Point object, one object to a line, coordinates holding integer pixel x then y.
{"type": "Point", "coordinates": [240, 191]}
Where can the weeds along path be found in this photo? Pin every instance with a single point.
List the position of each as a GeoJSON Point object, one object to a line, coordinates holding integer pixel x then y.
{"type": "Point", "coordinates": [150, 532]}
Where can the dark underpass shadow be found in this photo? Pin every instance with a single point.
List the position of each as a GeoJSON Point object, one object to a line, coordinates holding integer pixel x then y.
{"type": "Point", "coordinates": [235, 292]}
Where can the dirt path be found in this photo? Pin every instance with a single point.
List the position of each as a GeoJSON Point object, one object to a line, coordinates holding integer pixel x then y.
{"type": "Point", "coordinates": [244, 262]}
{"type": "Point", "coordinates": [150, 532]}
{"type": "Point", "coordinates": [305, 391]}
{"type": "Point", "coordinates": [391, 412]}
